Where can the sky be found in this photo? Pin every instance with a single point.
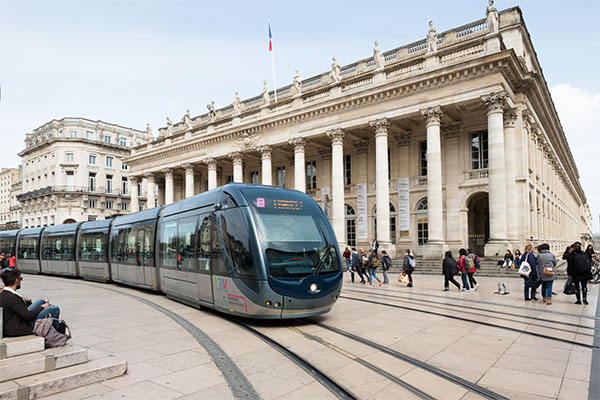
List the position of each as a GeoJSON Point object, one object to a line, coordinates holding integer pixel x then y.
{"type": "Point", "coordinates": [133, 62]}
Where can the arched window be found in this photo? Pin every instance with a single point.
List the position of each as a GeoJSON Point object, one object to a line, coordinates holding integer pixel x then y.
{"type": "Point", "coordinates": [392, 222]}
{"type": "Point", "coordinates": [422, 222]}
{"type": "Point", "coordinates": [350, 226]}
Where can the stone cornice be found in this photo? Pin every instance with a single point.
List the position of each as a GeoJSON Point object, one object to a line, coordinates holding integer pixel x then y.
{"type": "Point", "coordinates": [55, 140]}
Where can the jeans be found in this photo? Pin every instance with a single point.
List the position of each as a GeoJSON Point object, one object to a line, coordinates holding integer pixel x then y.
{"type": "Point", "coordinates": [386, 279]}
{"type": "Point", "coordinates": [53, 311]}
{"type": "Point", "coordinates": [547, 289]}
{"type": "Point", "coordinates": [531, 286]}
{"type": "Point", "coordinates": [372, 273]}
{"type": "Point", "coordinates": [465, 280]}
{"type": "Point", "coordinates": [348, 264]}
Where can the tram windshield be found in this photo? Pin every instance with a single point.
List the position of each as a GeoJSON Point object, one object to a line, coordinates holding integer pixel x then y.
{"type": "Point", "coordinates": [295, 236]}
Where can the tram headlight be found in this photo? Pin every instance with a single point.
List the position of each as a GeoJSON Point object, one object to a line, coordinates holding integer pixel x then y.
{"type": "Point", "coordinates": [313, 288]}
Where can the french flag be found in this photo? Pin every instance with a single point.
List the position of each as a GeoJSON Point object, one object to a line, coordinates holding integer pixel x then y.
{"type": "Point", "coordinates": [270, 38]}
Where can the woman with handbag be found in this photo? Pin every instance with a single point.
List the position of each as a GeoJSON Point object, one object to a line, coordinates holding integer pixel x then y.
{"type": "Point", "coordinates": [530, 283]}
{"type": "Point", "coordinates": [546, 269]}
{"type": "Point", "coordinates": [449, 269]}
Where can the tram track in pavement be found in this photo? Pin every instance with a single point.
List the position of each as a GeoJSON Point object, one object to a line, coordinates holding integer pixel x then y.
{"type": "Point", "coordinates": [478, 311]}
{"type": "Point", "coordinates": [465, 319]}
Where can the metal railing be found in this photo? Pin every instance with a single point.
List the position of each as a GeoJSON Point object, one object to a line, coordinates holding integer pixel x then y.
{"type": "Point", "coordinates": [72, 189]}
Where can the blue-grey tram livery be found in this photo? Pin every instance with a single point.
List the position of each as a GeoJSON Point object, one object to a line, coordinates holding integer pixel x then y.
{"type": "Point", "coordinates": [248, 250]}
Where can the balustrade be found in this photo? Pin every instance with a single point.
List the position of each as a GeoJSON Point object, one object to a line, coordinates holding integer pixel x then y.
{"type": "Point", "coordinates": [419, 180]}
{"type": "Point", "coordinates": [476, 174]}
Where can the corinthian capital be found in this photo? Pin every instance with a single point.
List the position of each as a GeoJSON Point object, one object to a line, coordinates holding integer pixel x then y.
{"type": "Point", "coordinates": [168, 173]}
{"type": "Point", "coordinates": [237, 157]}
{"type": "Point", "coordinates": [265, 151]}
{"type": "Point", "coordinates": [133, 180]}
{"type": "Point", "coordinates": [380, 126]}
{"type": "Point", "coordinates": [432, 115]}
{"type": "Point", "coordinates": [211, 163]}
{"type": "Point", "coordinates": [336, 136]}
{"type": "Point", "coordinates": [298, 144]}
{"type": "Point", "coordinates": [189, 168]}
{"type": "Point", "coordinates": [495, 102]}
{"type": "Point", "coordinates": [149, 177]}
{"type": "Point", "coordinates": [510, 117]}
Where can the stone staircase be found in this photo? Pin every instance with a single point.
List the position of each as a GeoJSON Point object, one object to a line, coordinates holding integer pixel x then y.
{"type": "Point", "coordinates": [28, 371]}
{"type": "Point", "coordinates": [488, 268]}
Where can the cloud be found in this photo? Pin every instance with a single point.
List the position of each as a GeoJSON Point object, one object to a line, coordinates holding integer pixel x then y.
{"type": "Point", "coordinates": [579, 113]}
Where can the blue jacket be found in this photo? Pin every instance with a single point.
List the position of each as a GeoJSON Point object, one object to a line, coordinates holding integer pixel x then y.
{"type": "Point", "coordinates": [356, 259]}
{"type": "Point", "coordinates": [532, 261]}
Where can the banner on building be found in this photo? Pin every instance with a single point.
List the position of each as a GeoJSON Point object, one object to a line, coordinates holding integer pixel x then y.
{"type": "Point", "coordinates": [326, 202]}
{"type": "Point", "coordinates": [403, 204]}
{"type": "Point", "coordinates": [361, 202]}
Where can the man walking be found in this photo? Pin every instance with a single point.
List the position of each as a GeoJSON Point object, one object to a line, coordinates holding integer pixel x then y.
{"type": "Point", "coordinates": [386, 263]}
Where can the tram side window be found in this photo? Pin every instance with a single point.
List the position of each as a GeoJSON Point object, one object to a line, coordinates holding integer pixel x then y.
{"type": "Point", "coordinates": [168, 244]}
{"type": "Point", "coordinates": [186, 243]}
{"type": "Point", "coordinates": [58, 248]}
{"type": "Point", "coordinates": [92, 247]}
{"type": "Point", "coordinates": [235, 238]}
{"type": "Point", "coordinates": [133, 246]}
{"type": "Point", "coordinates": [204, 244]}
{"type": "Point", "coordinates": [28, 248]}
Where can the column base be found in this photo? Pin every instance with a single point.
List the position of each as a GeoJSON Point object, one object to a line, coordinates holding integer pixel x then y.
{"type": "Point", "coordinates": [389, 247]}
{"type": "Point", "coordinates": [434, 250]}
{"type": "Point", "coordinates": [496, 248]}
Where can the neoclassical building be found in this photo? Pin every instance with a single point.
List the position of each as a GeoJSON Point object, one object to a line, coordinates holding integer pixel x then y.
{"type": "Point", "coordinates": [447, 142]}
{"type": "Point", "coordinates": [74, 170]}
{"type": "Point", "coordinates": [9, 214]}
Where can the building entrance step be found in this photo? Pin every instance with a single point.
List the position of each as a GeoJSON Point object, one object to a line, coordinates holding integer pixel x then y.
{"type": "Point", "coordinates": [16, 346]}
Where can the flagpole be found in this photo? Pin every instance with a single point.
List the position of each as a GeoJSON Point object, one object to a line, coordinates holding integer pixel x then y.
{"type": "Point", "coordinates": [273, 63]}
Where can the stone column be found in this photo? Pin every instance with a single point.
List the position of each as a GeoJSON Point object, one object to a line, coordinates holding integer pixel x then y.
{"type": "Point", "coordinates": [189, 180]}
{"type": "Point", "coordinates": [150, 202]}
{"type": "Point", "coordinates": [337, 184]}
{"type": "Point", "coordinates": [133, 190]}
{"type": "Point", "coordinates": [211, 163]}
{"type": "Point", "coordinates": [168, 186]}
{"type": "Point", "coordinates": [382, 185]}
{"type": "Point", "coordinates": [238, 172]}
{"type": "Point", "coordinates": [299, 166]}
{"type": "Point", "coordinates": [161, 192]}
{"type": "Point", "coordinates": [435, 247]}
{"type": "Point", "coordinates": [498, 242]}
{"type": "Point", "coordinates": [267, 169]}
{"type": "Point", "coordinates": [510, 117]}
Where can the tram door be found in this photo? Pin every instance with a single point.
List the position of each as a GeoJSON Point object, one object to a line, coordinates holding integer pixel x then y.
{"type": "Point", "coordinates": [186, 257]}
{"type": "Point", "coordinates": [205, 227]}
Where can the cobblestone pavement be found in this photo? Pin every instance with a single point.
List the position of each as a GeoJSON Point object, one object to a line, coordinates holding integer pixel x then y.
{"type": "Point", "coordinates": [487, 344]}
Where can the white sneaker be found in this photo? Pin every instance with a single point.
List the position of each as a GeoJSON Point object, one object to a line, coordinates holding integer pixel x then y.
{"type": "Point", "coordinates": [464, 290]}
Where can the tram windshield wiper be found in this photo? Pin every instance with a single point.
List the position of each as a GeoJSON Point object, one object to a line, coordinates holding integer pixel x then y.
{"type": "Point", "coordinates": [325, 254]}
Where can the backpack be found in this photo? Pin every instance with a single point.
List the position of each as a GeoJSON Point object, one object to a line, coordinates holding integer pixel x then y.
{"type": "Point", "coordinates": [43, 327]}
{"type": "Point", "coordinates": [374, 262]}
{"type": "Point", "coordinates": [411, 262]}
{"type": "Point", "coordinates": [471, 262]}
{"type": "Point", "coordinates": [583, 263]}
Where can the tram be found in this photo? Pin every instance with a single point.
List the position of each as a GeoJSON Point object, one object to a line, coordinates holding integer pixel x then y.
{"type": "Point", "coordinates": [248, 250]}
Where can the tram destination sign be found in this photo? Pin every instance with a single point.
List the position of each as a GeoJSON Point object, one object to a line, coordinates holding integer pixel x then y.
{"type": "Point", "coordinates": [279, 204]}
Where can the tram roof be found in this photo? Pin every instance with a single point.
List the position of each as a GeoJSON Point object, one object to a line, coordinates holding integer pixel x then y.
{"type": "Point", "coordinates": [31, 231]}
{"type": "Point", "coordinates": [139, 216]}
{"type": "Point", "coordinates": [8, 234]}
{"type": "Point", "coordinates": [101, 225]}
{"type": "Point", "coordinates": [61, 229]}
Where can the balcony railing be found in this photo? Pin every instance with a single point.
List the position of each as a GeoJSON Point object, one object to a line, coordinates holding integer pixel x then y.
{"type": "Point", "coordinates": [476, 174]}
{"type": "Point", "coordinates": [419, 180]}
{"type": "Point", "coordinates": [72, 189]}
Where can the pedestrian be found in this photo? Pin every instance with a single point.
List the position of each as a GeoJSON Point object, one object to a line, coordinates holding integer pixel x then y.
{"type": "Point", "coordinates": [364, 265]}
{"type": "Point", "coordinates": [449, 269]}
{"type": "Point", "coordinates": [517, 259]}
{"type": "Point", "coordinates": [347, 256]}
{"type": "Point", "coordinates": [375, 246]}
{"type": "Point", "coordinates": [373, 264]}
{"type": "Point", "coordinates": [386, 264]}
{"type": "Point", "coordinates": [579, 269]}
{"type": "Point", "coordinates": [546, 271]}
{"type": "Point", "coordinates": [474, 263]}
{"type": "Point", "coordinates": [508, 259]}
{"type": "Point", "coordinates": [408, 266]}
{"type": "Point", "coordinates": [12, 261]}
{"type": "Point", "coordinates": [531, 282]}
{"type": "Point", "coordinates": [3, 261]}
{"type": "Point", "coordinates": [463, 269]}
{"type": "Point", "coordinates": [356, 266]}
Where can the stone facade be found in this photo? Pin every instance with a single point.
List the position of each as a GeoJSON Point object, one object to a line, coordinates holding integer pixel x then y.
{"type": "Point", "coordinates": [9, 215]}
{"type": "Point", "coordinates": [451, 141]}
{"type": "Point", "coordinates": [74, 170]}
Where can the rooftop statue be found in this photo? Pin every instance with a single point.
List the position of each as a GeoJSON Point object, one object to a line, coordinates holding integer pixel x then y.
{"type": "Point", "coordinates": [377, 56]}
{"type": "Point", "coordinates": [236, 103]}
{"type": "Point", "coordinates": [335, 70]}
{"type": "Point", "coordinates": [297, 82]}
{"type": "Point", "coordinates": [266, 98]}
{"type": "Point", "coordinates": [431, 38]}
{"type": "Point", "coordinates": [148, 129]}
{"type": "Point", "coordinates": [169, 122]}
{"type": "Point", "coordinates": [492, 17]}
{"type": "Point", "coordinates": [169, 126]}
{"type": "Point", "coordinates": [187, 119]}
{"type": "Point", "coordinates": [212, 114]}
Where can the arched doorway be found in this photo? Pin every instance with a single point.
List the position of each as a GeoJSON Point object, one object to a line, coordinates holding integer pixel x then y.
{"type": "Point", "coordinates": [479, 222]}
{"type": "Point", "coordinates": [69, 221]}
{"type": "Point", "coordinates": [350, 226]}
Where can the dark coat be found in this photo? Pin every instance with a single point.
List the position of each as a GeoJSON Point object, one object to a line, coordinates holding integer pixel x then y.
{"type": "Point", "coordinates": [386, 262]}
{"type": "Point", "coordinates": [449, 267]}
{"type": "Point", "coordinates": [576, 275]}
{"type": "Point", "coordinates": [17, 319]}
{"type": "Point", "coordinates": [406, 264]}
{"type": "Point", "coordinates": [356, 260]}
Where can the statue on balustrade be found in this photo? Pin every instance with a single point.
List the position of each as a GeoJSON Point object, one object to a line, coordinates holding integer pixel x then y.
{"type": "Point", "coordinates": [335, 70]}
{"type": "Point", "coordinates": [492, 17]}
{"type": "Point", "coordinates": [297, 82]}
{"type": "Point", "coordinates": [212, 114]}
{"type": "Point", "coordinates": [149, 130]}
{"type": "Point", "coordinates": [432, 38]}
{"type": "Point", "coordinates": [377, 56]}
{"type": "Point", "coordinates": [187, 119]}
{"type": "Point", "coordinates": [169, 126]}
{"type": "Point", "coordinates": [236, 103]}
{"type": "Point", "coordinates": [266, 98]}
